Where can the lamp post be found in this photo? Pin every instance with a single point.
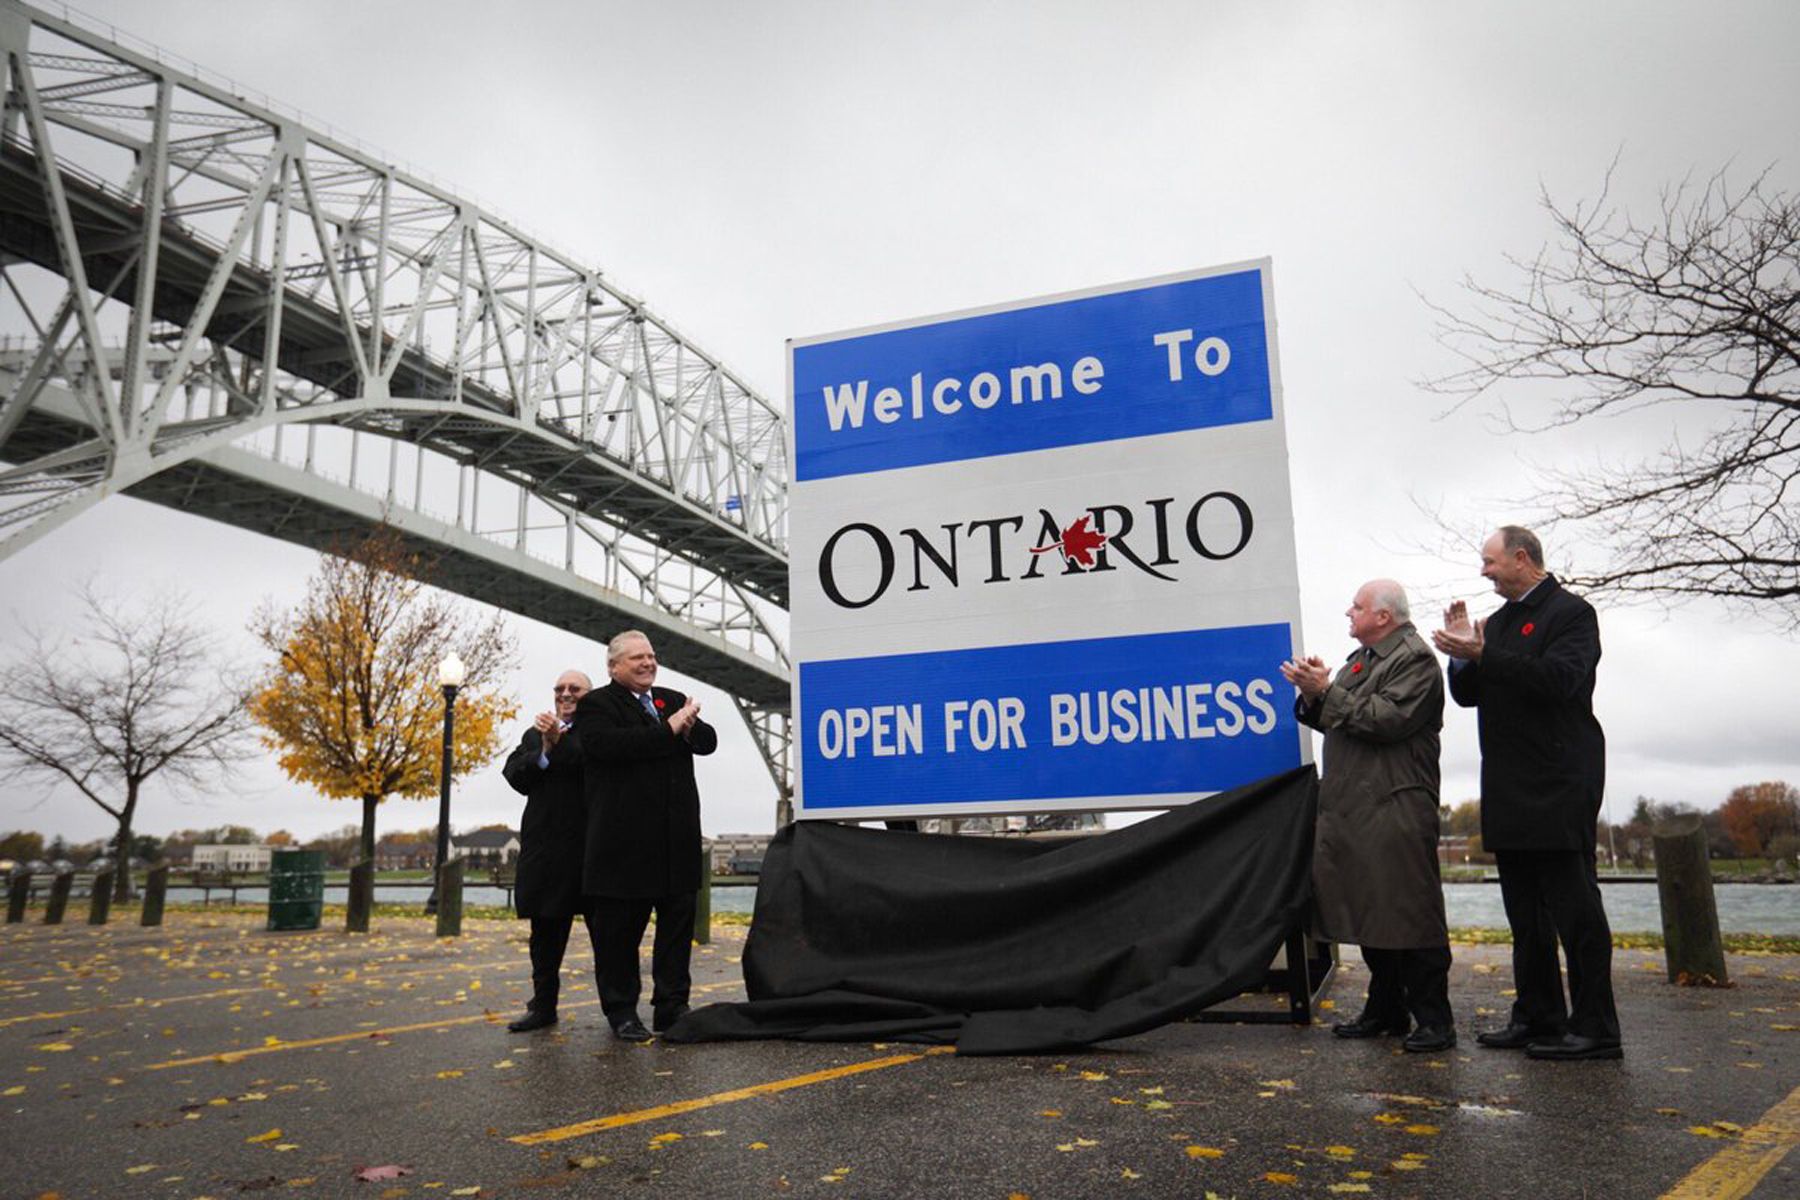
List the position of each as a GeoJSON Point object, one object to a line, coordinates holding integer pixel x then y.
{"type": "Point", "coordinates": [450, 678]}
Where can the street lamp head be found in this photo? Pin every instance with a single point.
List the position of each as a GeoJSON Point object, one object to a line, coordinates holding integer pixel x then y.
{"type": "Point", "coordinates": [451, 671]}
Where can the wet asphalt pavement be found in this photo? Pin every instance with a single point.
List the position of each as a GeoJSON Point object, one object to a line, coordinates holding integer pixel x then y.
{"type": "Point", "coordinates": [212, 1058]}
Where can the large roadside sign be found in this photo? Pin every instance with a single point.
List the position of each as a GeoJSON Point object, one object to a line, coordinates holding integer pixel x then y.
{"type": "Point", "coordinates": [1043, 554]}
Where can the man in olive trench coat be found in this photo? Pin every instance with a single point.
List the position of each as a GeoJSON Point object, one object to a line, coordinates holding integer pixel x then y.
{"type": "Point", "coordinates": [1375, 866]}
{"type": "Point", "coordinates": [546, 769]}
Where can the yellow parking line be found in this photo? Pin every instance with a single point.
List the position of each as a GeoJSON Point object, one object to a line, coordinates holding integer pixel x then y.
{"type": "Point", "coordinates": [1734, 1172]}
{"type": "Point", "coordinates": [138, 1003]}
{"type": "Point", "coordinates": [278, 1045]}
{"type": "Point", "coordinates": [231, 1056]}
{"type": "Point", "coordinates": [685, 1106]}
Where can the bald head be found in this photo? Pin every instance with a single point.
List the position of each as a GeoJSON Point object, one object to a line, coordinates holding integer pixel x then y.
{"type": "Point", "coordinates": [1378, 608]}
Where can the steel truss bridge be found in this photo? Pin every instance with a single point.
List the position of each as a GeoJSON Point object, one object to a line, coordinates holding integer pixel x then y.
{"type": "Point", "coordinates": [212, 305]}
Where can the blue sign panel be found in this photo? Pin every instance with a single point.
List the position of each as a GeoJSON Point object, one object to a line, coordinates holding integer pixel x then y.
{"type": "Point", "coordinates": [1170, 714]}
{"type": "Point", "coordinates": [1156, 359]}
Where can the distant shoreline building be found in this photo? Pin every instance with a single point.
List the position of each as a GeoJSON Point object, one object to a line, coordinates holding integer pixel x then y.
{"type": "Point", "coordinates": [487, 847]}
{"type": "Point", "coordinates": [235, 859]}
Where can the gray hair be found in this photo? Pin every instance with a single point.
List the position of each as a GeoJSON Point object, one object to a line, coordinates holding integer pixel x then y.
{"type": "Point", "coordinates": [615, 649]}
{"type": "Point", "coordinates": [1391, 596]}
{"type": "Point", "coordinates": [1517, 537]}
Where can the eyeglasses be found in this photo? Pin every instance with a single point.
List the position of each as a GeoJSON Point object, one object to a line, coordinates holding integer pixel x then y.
{"type": "Point", "coordinates": [573, 689]}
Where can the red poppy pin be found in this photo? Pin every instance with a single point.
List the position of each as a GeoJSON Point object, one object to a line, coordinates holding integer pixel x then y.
{"type": "Point", "coordinates": [657, 700]}
{"type": "Point", "coordinates": [1525, 631]}
{"type": "Point", "coordinates": [1356, 668]}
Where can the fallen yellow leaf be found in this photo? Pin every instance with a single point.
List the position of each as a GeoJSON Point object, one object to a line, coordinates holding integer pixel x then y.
{"type": "Point", "coordinates": [56, 1047]}
{"type": "Point", "coordinates": [1280, 1177]}
{"type": "Point", "coordinates": [271, 1136]}
{"type": "Point", "coordinates": [1422, 1130]}
{"type": "Point", "coordinates": [1204, 1152]}
{"type": "Point", "coordinates": [449, 1074]}
{"type": "Point", "coordinates": [1128, 1173]}
{"type": "Point", "coordinates": [140, 1170]}
{"type": "Point", "coordinates": [1341, 1151]}
{"type": "Point", "coordinates": [1090, 1076]}
{"type": "Point", "coordinates": [14, 1091]}
{"type": "Point", "coordinates": [1342, 1188]}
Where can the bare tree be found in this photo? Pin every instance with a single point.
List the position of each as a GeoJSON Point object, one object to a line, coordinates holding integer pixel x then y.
{"type": "Point", "coordinates": [1698, 310]}
{"type": "Point", "coordinates": [137, 693]}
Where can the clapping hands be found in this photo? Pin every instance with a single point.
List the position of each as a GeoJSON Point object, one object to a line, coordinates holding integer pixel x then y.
{"type": "Point", "coordinates": [1459, 638]}
{"type": "Point", "coordinates": [1310, 675]}
{"type": "Point", "coordinates": [683, 718]}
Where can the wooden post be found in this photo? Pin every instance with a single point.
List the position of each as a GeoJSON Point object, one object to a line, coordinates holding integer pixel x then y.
{"type": "Point", "coordinates": [361, 900]}
{"type": "Point", "coordinates": [1690, 917]}
{"type": "Point", "coordinates": [156, 890]}
{"type": "Point", "coordinates": [450, 898]}
{"type": "Point", "coordinates": [100, 901]}
{"type": "Point", "coordinates": [703, 901]}
{"type": "Point", "coordinates": [59, 897]}
{"type": "Point", "coordinates": [18, 895]}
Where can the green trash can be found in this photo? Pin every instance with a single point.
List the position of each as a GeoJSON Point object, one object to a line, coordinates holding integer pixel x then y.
{"type": "Point", "coordinates": [296, 888]}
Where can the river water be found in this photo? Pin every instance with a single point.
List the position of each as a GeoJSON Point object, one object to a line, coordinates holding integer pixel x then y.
{"type": "Point", "coordinates": [1630, 907]}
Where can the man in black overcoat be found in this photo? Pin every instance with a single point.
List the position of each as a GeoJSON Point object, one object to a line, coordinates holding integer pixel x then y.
{"type": "Point", "coordinates": [1528, 671]}
{"type": "Point", "coordinates": [546, 769]}
{"type": "Point", "coordinates": [638, 743]}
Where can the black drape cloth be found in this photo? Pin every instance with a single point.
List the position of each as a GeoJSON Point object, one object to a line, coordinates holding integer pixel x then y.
{"type": "Point", "coordinates": [1007, 946]}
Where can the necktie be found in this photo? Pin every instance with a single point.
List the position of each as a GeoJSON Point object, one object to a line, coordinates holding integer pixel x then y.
{"type": "Point", "coordinates": [649, 706]}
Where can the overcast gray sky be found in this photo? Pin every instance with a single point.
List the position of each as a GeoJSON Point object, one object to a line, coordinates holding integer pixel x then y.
{"type": "Point", "coordinates": [772, 170]}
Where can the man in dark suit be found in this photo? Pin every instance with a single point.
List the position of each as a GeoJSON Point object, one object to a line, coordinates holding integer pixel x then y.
{"type": "Point", "coordinates": [546, 769]}
{"type": "Point", "coordinates": [643, 839]}
{"type": "Point", "coordinates": [1528, 670]}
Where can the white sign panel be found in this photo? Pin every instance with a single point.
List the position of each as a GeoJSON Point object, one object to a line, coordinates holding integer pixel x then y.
{"type": "Point", "coordinates": [1043, 554]}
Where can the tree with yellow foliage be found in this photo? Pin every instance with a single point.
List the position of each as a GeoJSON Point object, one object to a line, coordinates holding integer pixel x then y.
{"type": "Point", "coordinates": [352, 704]}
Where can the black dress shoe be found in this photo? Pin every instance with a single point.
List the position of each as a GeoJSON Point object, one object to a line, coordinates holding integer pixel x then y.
{"type": "Point", "coordinates": [1368, 1026]}
{"type": "Point", "coordinates": [1516, 1036]}
{"type": "Point", "coordinates": [1428, 1039]}
{"type": "Point", "coordinates": [1572, 1047]}
{"type": "Point", "coordinates": [667, 1017]}
{"type": "Point", "coordinates": [630, 1029]}
{"type": "Point", "coordinates": [533, 1019]}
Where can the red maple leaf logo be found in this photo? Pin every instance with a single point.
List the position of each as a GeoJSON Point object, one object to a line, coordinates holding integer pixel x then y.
{"type": "Point", "coordinates": [1077, 542]}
